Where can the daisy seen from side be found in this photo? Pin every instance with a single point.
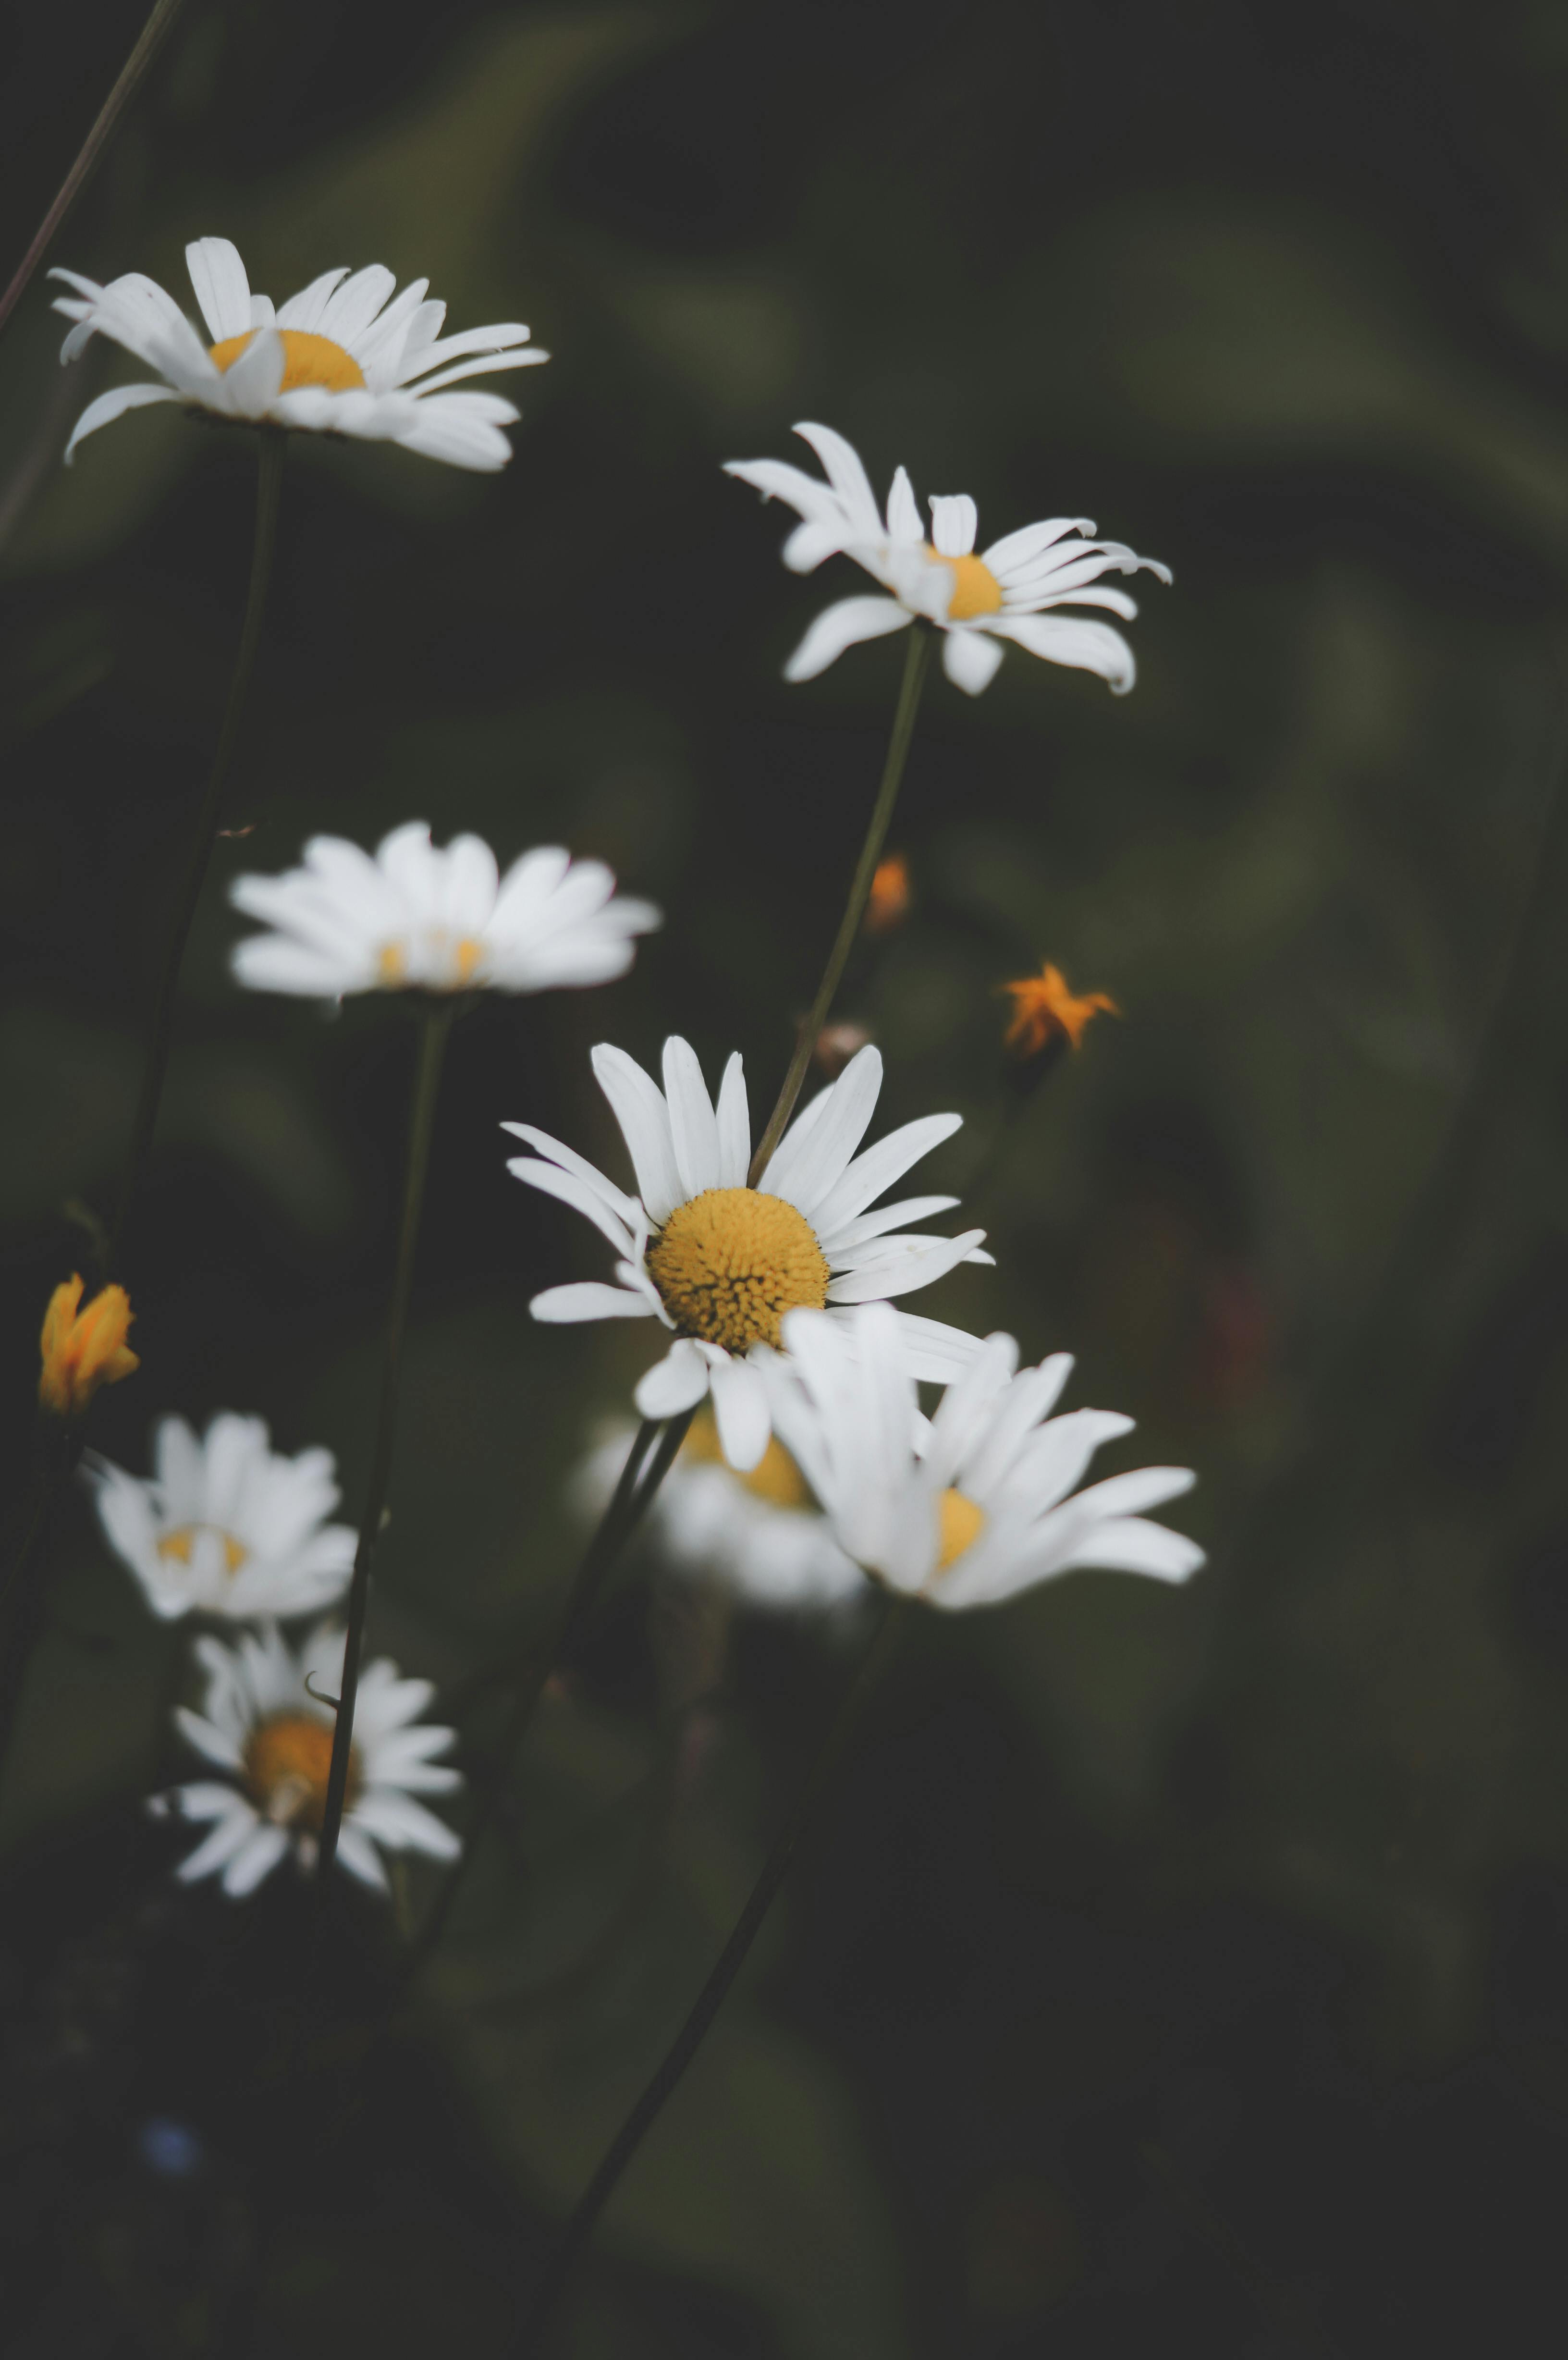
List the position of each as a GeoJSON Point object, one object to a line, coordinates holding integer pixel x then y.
{"type": "Point", "coordinates": [760, 1533]}
{"type": "Point", "coordinates": [267, 1726]}
{"type": "Point", "coordinates": [346, 356]}
{"type": "Point", "coordinates": [1017, 590]}
{"type": "Point", "coordinates": [979, 1504]}
{"type": "Point", "coordinates": [718, 1262]}
{"type": "Point", "coordinates": [416, 916]}
{"type": "Point", "coordinates": [226, 1525]}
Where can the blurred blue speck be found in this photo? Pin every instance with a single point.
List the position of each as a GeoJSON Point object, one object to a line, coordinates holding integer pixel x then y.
{"type": "Point", "coordinates": [169, 2147]}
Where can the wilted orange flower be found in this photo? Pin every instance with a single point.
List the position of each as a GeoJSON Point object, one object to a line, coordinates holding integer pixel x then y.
{"type": "Point", "coordinates": [83, 1350]}
{"type": "Point", "coordinates": [1044, 1011]}
{"type": "Point", "coordinates": [890, 896]}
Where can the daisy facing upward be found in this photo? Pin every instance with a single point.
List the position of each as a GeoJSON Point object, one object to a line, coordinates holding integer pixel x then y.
{"type": "Point", "coordinates": [345, 356]}
{"type": "Point", "coordinates": [1015, 590]}
{"type": "Point", "coordinates": [719, 1264]}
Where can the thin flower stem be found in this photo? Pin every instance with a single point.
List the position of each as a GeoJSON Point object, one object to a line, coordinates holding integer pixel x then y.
{"type": "Point", "coordinates": [710, 1999]}
{"type": "Point", "coordinates": [915, 660]}
{"type": "Point", "coordinates": [269, 480]}
{"type": "Point", "coordinates": [639, 1481]}
{"type": "Point", "coordinates": [149, 41]}
{"type": "Point", "coordinates": [436, 1026]}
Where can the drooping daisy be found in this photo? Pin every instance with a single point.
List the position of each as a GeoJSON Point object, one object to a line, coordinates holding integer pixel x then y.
{"type": "Point", "coordinates": [343, 357]}
{"type": "Point", "coordinates": [1011, 591]}
{"type": "Point", "coordinates": [720, 1262]}
{"type": "Point", "coordinates": [416, 917]}
{"type": "Point", "coordinates": [978, 1505]}
{"type": "Point", "coordinates": [227, 1525]}
{"type": "Point", "coordinates": [262, 1726]}
{"type": "Point", "coordinates": [760, 1533]}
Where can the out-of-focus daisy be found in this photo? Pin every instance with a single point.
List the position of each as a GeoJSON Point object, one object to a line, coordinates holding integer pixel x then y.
{"type": "Point", "coordinates": [760, 1533]}
{"type": "Point", "coordinates": [1014, 590]}
{"type": "Point", "coordinates": [227, 1525]}
{"type": "Point", "coordinates": [978, 1505]}
{"type": "Point", "coordinates": [720, 1262]}
{"type": "Point", "coordinates": [415, 916]}
{"type": "Point", "coordinates": [81, 1349]}
{"type": "Point", "coordinates": [345, 356]}
{"type": "Point", "coordinates": [271, 1737]}
{"type": "Point", "coordinates": [1046, 1013]}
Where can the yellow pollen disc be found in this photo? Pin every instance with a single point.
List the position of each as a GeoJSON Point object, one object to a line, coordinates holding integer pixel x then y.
{"type": "Point", "coordinates": [182, 1541]}
{"type": "Point", "coordinates": [729, 1263]}
{"type": "Point", "coordinates": [775, 1478]}
{"type": "Point", "coordinates": [962, 1524]}
{"type": "Point", "coordinates": [391, 966]}
{"type": "Point", "coordinates": [976, 589]}
{"type": "Point", "coordinates": [285, 1767]}
{"type": "Point", "coordinates": [467, 956]}
{"type": "Point", "coordinates": [307, 360]}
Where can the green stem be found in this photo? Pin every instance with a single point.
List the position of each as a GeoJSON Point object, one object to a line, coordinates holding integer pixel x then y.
{"type": "Point", "coordinates": [708, 1999]}
{"type": "Point", "coordinates": [915, 660]}
{"type": "Point", "coordinates": [437, 1024]}
{"type": "Point", "coordinates": [148, 43]}
{"type": "Point", "coordinates": [269, 480]}
{"type": "Point", "coordinates": [629, 1503]}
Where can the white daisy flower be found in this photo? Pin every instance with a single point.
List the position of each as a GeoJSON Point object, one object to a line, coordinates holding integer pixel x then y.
{"type": "Point", "coordinates": [1009, 592]}
{"type": "Point", "coordinates": [414, 917]}
{"type": "Point", "coordinates": [227, 1525]}
{"type": "Point", "coordinates": [720, 1262]}
{"type": "Point", "coordinates": [266, 1726]}
{"type": "Point", "coordinates": [345, 357]}
{"type": "Point", "coordinates": [978, 1505]}
{"type": "Point", "coordinates": [760, 1533]}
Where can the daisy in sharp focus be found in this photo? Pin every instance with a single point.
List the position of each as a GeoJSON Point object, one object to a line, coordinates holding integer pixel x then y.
{"type": "Point", "coordinates": [227, 1525]}
{"type": "Point", "coordinates": [760, 1533]}
{"type": "Point", "coordinates": [271, 1738]}
{"type": "Point", "coordinates": [415, 916]}
{"type": "Point", "coordinates": [719, 1263]}
{"type": "Point", "coordinates": [1013, 591]}
{"type": "Point", "coordinates": [345, 357]}
{"type": "Point", "coordinates": [979, 1504]}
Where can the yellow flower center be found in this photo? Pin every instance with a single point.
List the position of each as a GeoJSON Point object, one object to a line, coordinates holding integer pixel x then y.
{"type": "Point", "coordinates": [307, 360]}
{"type": "Point", "coordinates": [181, 1542]}
{"type": "Point", "coordinates": [285, 1767]}
{"type": "Point", "coordinates": [729, 1263]}
{"type": "Point", "coordinates": [463, 959]}
{"type": "Point", "coordinates": [976, 589]}
{"type": "Point", "coordinates": [960, 1523]}
{"type": "Point", "coordinates": [775, 1478]}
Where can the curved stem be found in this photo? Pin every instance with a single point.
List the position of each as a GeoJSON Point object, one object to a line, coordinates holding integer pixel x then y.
{"type": "Point", "coordinates": [269, 480]}
{"type": "Point", "coordinates": [437, 1024]}
{"type": "Point", "coordinates": [708, 1999]}
{"type": "Point", "coordinates": [629, 1503]}
{"type": "Point", "coordinates": [149, 41]}
{"type": "Point", "coordinates": [916, 660]}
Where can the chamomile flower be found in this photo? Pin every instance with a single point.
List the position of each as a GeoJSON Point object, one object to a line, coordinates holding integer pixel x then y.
{"type": "Point", "coordinates": [760, 1533]}
{"type": "Point", "coordinates": [227, 1525]}
{"type": "Point", "coordinates": [1013, 591]}
{"type": "Point", "coordinates": [415, 916]}
{"type": "Point", "coordinates": [719, 1263]}
{"type": "Point", "coordinates": [266, 1725]}
{"type": "Point", "coordinates": [978, 1505]}
{"type": "Point", "coordinates": [345, 356]}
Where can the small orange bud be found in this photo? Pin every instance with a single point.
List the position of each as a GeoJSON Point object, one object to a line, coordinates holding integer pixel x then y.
{"type": "Point", "coordinates": [83, 1350]}
{"type": "Point", "coordinates": [836, 1044]}
{"type": "Point", "coordinates": [891, 897]}
{"type": "Point", "coordinates": [1045, 1010]}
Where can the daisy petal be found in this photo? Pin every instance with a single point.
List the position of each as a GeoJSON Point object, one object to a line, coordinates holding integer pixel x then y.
{"type": "Point", "coordinates": [840, 626]}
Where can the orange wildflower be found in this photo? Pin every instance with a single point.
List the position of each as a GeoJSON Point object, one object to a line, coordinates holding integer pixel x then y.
{"type": "Point", "coordinates": [891, 897]}
{"type": "Point", "coordinates": [83, 1350]}
{"type": "Point", "coordinates": [1045, 1010]}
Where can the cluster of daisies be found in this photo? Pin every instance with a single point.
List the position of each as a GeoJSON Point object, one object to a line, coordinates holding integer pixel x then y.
{"type": "Point", "coordinates": [809, 1472]}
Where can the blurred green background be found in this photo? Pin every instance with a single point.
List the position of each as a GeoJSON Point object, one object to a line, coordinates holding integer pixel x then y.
{"type": "Point", "coordinates": [1186, 1965]}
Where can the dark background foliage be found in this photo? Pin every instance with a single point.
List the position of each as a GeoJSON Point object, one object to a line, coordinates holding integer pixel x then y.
{"type": "Point", "coordinates": [1176, 1966]}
